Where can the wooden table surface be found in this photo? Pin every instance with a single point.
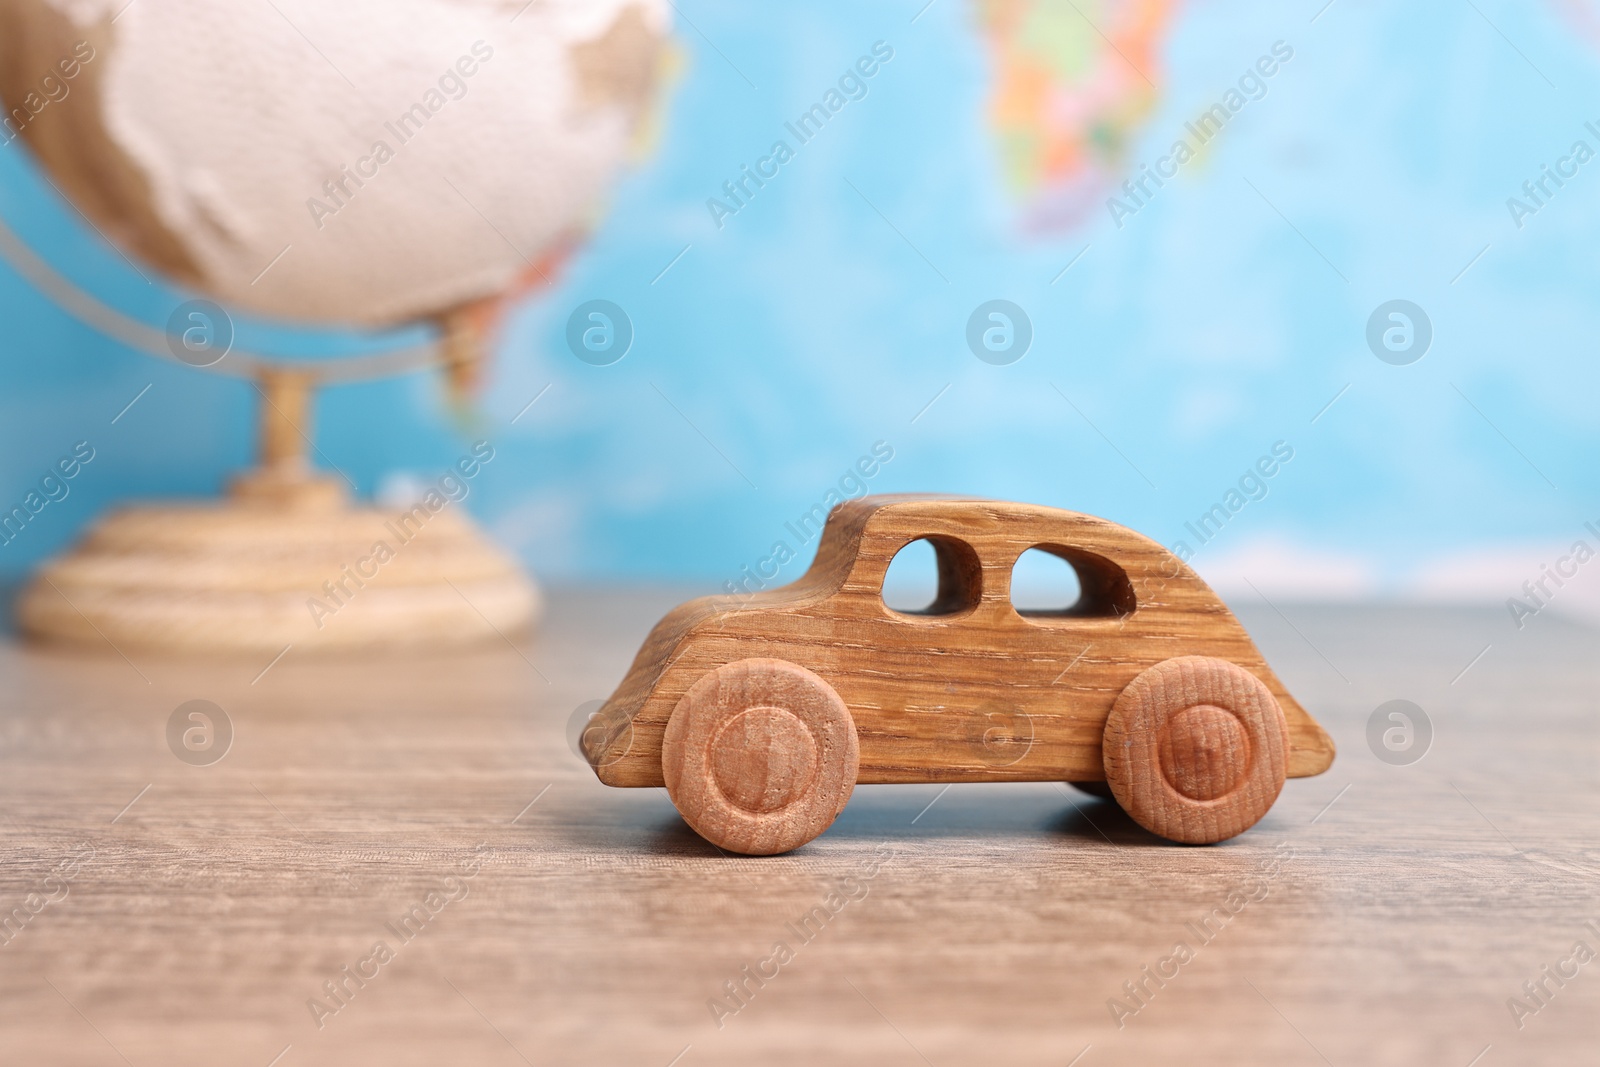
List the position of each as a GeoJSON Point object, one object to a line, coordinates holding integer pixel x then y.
{"type": "Point", "coordinates": [156, 912]}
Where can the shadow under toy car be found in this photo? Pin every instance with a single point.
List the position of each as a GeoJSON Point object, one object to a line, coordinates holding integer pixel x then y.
{"type": "Point", "coordinates": [760, 713]}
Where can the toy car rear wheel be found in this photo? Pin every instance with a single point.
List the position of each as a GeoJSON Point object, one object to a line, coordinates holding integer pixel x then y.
{"type": "Point", "coordinates": [760, 756]}
{"type": "Point", "coordinates": [1196, 749]}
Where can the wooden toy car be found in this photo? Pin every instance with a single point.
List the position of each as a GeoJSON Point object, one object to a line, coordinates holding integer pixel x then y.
{"type": "Point", "coordinates": [760, 713]}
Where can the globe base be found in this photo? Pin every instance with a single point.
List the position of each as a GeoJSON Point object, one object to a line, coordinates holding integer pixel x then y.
{"type": "Point", "coordinates": [246, 576]}
{"type": "Point", "coordinates": [290, 491]}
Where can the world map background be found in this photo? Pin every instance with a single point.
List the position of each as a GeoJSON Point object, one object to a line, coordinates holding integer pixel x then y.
{"type": "Point", "coordinates": [829, 313]}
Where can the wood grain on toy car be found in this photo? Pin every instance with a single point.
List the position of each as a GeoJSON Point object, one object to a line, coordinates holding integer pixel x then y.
{"type": "Point", "coordinates": [983, 694]}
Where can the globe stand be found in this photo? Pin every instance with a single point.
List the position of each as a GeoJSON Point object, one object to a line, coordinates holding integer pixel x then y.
{"type": "Point", "coordinates": [284, 476]}
{"type": "Point", "coordinates": [285, 560]}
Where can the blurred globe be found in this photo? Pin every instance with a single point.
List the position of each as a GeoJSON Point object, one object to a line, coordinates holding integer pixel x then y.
{"type": "Point", "coordinates": [364, 162]}
{"type": "Point", "coordinates": [360, 163]}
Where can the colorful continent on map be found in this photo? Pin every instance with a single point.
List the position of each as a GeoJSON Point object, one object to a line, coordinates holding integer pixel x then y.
{"type": "Point", "coordinates": [1074, 81]}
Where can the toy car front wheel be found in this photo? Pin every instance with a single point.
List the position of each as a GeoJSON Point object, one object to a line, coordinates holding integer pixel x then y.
{"type": "Point", "coordinates": [760, 756]}
{"type": "Point", "coordinates": [1196, 749]}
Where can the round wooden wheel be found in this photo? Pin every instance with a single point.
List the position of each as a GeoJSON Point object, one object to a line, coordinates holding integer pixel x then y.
{"type": "Point", "coordinates": [1196, 749]}
{"type": "Point", "coordinates": [760, 756]}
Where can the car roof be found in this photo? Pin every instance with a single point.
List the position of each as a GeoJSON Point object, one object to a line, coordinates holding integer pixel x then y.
{"type": "Point", "coordinates": [915, 515]}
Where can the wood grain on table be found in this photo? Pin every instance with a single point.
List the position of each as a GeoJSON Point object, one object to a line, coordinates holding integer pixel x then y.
{"type": "Point", "coordinates": [404, 862]}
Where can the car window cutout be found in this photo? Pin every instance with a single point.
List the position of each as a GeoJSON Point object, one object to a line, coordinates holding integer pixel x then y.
{"type": "Point", "coordinates": [933, 576]}
{"type": "Point", "coordinates": [1057, 582]}
{"type": "Point", "coordinates": [1044, 582]}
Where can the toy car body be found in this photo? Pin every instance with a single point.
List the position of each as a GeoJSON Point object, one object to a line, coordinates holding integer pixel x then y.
{"type": "Point", "coordinates": [735, 702]}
